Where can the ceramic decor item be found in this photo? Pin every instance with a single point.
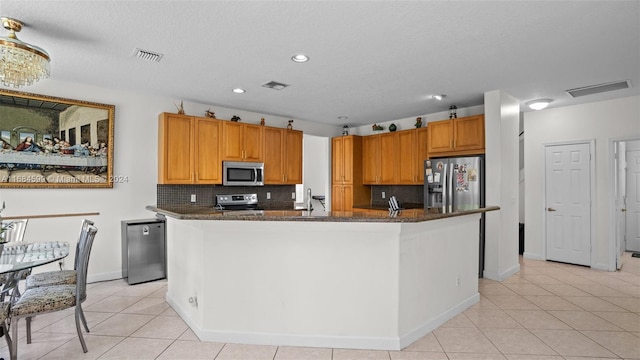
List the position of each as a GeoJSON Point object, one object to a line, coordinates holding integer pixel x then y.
{"type": "Point", "coordinates": [235, 118]}
{"type": "Point", "coordinates": [418, 123]}
{"type": "Point", "coordinates": [210, 114]}
{"type": "Point", "coordinates": [290, 126]}
{"type": "Point", "coordinates": [392, 127]}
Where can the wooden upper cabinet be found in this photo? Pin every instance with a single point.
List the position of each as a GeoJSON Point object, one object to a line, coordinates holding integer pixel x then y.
{"type": "Point", "coordinates": [370, 159]}
{"type": "Point", "coordinates": [273, 154]}
{"type": "Point", "coordinates": [175, 149]}
{"type": "Point", "coordinates": [208, 165]}
{"type": "Point", "coordinates": [293, 156]}
{"type": "Point", "coordinates": [342, 156]}
{"type": "Point", "coordinates": [422, 151]}
{"type": "Point", "coordinates": [282, 156]}
{"type": "Point", "coordinates": [242, 142]}
{"type": "Point", "coordinates": [469, 133]}
{"type": "Point", "coordinates": [407, 157]}
{"type": "Point", "coordinates": [188, 150]}
{"type": "Point", "coordinates": [461, 136]}
{"type": "Point", "coordinates": [440, 136]}
{"type": "Point", "coordinates": [389, 158]}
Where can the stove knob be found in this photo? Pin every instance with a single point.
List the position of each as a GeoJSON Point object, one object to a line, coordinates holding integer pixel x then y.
{"type": "Point", "coordinates": [253, 197]}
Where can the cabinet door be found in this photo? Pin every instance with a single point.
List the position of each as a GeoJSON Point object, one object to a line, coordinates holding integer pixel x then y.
{"type": "Point", "coordinates": [422, 153]}
{"type": "Point", "coordinates": [208, 166]}
{"type": "Point", "coordinates": [232, 144]}
{"type": "Point", "coordinates": [469, 133]}
{"type": "Point", "coordinates": [440, 136]}
{"type": "Point", "coordinates": [370, 159]}
{"type": "Point", "coordinates": [337, 198]}
{"type": "Point", "coordinates": [347, 160]}
{"type": "Point", "coordinates": [407, 154]}
{"type": "Point", "coordinates": [388, 158]}
{"type": "Point", "coordinates": [337, 163]}
{"type": "Point", "coordinates": [347, 200]}
{"type": "Point", "coordinates": [252, 142]}
{"type": "Point", "coordinates": [175, 136]}
{"type": "Point", "coordinates": [293, 156]}
{"type": "Point", "coordinates": [273, 156]}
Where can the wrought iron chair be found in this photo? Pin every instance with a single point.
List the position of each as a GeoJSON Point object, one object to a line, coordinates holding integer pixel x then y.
{"type": "Point", "coordinates": [61, 277]}
{"type": "Point", "coordinates": [47, 299]}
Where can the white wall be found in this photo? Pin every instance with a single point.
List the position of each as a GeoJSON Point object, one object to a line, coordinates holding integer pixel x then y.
{"type": "Point", "coordinates": [316, 166]}
{"type": "Point", "coordinates": [135, 156]}
{"type": "Point", "coordinates": [602, 121]}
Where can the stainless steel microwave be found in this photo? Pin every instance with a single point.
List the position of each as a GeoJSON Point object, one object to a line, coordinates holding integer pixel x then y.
{"type": "Point", "coordinates": [242, 173]}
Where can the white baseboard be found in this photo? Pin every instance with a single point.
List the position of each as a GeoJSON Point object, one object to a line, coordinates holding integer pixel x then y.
{"type": "Point", "coordinates": [104, 276]}
{"type": "Point", "coordinates": [503, 275]}
{"type": "Point", "coordinates": [424, 329]}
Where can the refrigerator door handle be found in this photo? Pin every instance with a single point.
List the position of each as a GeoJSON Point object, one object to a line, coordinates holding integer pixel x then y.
{"type": "Point", "coordinates": [444, 188]}
{"type": "Point", "coordinates": [452, 182]}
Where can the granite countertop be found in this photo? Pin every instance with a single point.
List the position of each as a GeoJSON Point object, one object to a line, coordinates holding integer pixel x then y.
{"type": "Point", "coordinates": [195, 212]}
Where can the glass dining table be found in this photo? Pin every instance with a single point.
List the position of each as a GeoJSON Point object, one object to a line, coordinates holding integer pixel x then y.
{"type": "Point", "coordinates": [18, 257]}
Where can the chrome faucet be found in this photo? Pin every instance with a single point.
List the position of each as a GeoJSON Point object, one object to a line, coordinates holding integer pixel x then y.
{"type": "Point", "coordinates": [309, 207]}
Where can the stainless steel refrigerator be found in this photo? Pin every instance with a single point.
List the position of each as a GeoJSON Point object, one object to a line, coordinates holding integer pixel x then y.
{"type": "Point", "coordinates": [454, 184]}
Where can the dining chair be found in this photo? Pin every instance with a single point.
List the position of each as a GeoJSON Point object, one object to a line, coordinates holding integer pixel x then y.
{"type": "Point", "coordinates": [60, 277]}
{"type": "Point", "coordinates": [14, 232]}
{"type": "Point", "coordinates": [47, 299]}
{"type": "Point", "coordinates": [4, 316]}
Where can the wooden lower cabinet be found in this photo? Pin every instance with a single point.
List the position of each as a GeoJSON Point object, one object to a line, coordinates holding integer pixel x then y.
{"type": "Point", "coordinates": [342, 198]}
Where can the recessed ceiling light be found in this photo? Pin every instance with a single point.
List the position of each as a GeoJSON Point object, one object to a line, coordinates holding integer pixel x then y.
{"type": "Point", "coordinates": [238, 90]}
{"type": "Point", "coordinates": [538, 104]}
{"type": "Point", "coordinates": [300, 58]}
{"type": "Point", "coordinates": [438, 97]}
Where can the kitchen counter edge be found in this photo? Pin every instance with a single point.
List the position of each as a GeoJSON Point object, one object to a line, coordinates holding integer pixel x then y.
{"type": "Point", "coordinates": [193, 212]}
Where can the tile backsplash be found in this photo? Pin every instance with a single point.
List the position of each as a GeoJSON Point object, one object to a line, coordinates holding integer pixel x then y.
{"type": "Point", "coordinates": [405, 194]}
{"type": "Point", "coordinates": [280, 195]}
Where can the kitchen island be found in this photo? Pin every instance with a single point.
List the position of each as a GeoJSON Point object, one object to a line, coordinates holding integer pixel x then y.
{"type": "Point", "coordinates": [361, 280]}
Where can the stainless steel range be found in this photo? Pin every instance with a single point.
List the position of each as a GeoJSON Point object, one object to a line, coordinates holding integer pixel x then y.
{"type": "Point", "coordinates": [238, 204]}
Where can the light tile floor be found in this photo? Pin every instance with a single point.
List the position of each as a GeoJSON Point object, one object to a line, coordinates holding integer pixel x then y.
{"type": "Point", "coordinates": [546, 311]}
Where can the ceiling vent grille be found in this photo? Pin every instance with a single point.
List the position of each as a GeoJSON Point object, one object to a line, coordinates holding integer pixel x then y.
{"type": "Point", "coordinates": [147, 55]}
{"type": "Point", "coordinates": [275, 85]}
{"type": "Point", "coordinates": [600, 88]}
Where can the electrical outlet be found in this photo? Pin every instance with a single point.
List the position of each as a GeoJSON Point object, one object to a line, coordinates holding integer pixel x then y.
{"type": "Point", "coordinates": [384, 195]}
{"type": "Point", "coordinates": [293, 195]}
{"type": "Point", "coordinates": [193, 198]}
{"type": "Point", "coordinates": [268, 196]}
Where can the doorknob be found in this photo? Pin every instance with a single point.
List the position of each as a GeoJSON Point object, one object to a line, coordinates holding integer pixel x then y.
{"type": "Point", "coordinates": [551, 209]}
{"type": "Point", "coordinates": [623, 210]}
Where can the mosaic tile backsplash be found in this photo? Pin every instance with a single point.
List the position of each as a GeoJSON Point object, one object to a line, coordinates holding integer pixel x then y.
{"type": "Point", "coordinates": [405, 194]}
{"type": "Point", "coordinates": [206, 194]}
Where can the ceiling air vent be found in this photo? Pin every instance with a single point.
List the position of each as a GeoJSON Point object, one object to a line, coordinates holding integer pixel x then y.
{"type": "Point", "coordinates": [600, 88]}
{"type": "Point", "coordinates": [275, 85]}
{"type": "Point", "coordinates": [147, 55]}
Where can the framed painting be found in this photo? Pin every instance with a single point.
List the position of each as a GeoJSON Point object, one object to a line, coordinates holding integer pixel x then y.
{"type": "Point", "coordinates": [50, 142]}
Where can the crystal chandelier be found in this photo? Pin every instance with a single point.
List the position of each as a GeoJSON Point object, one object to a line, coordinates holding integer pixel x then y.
{"type": "Point", "coordinates": [20, 63]}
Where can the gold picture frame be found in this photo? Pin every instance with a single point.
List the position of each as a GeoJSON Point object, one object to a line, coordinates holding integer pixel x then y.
{"type": "Point", "coordinates": [51, 142]}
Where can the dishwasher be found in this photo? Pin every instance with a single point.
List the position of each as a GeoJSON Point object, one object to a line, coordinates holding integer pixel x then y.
{"type": "Point", "coordinates": [143, 250]}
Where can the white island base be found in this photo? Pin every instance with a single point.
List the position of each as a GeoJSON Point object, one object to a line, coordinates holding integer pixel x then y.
{"type": "Point", "coordinates": [359, 285]}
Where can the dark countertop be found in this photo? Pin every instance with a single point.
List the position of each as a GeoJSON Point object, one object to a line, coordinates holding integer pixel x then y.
{"type": "Point", "coordinates": [194, 212]}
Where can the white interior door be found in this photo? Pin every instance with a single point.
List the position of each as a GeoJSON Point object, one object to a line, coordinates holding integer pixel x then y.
{"type": "Point", "coordinates": [633, 200]}
{"type": "Point", "coordinates": [568, 203]}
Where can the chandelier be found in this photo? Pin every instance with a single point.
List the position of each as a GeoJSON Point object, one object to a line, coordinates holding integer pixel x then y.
{"type": "Point", "coordinates": [20, 63]}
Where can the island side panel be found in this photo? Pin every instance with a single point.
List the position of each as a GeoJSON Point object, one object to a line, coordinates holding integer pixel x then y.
{"type": "Point", "coordinates": [438, 273]}
{"type": "Point", "coordinates": [185, 276]}
{"type": "Point", "coordinates": [301, 283]}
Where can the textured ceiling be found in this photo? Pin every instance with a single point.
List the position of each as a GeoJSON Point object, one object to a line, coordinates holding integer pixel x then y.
{"type": "Point", "coordinates": [372, 61]}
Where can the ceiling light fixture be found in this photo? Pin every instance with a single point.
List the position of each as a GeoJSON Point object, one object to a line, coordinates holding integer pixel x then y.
{"type": "Point", "coordinates": [438, 97]}
{"type": "Point", "coordinates": [239, 91]}
{"type": "Point", "coordinates": [538, 104]}
{"type": "Point", "coordinates": [300, 58]}
{"type": "Point", "coordinates": [20, 63]}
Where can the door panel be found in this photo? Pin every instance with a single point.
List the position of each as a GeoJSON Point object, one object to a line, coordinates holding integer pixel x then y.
{"type": "Point", "coordinates": [568, 203]}
{"type": "Point", "coordinates": [633, 201]}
